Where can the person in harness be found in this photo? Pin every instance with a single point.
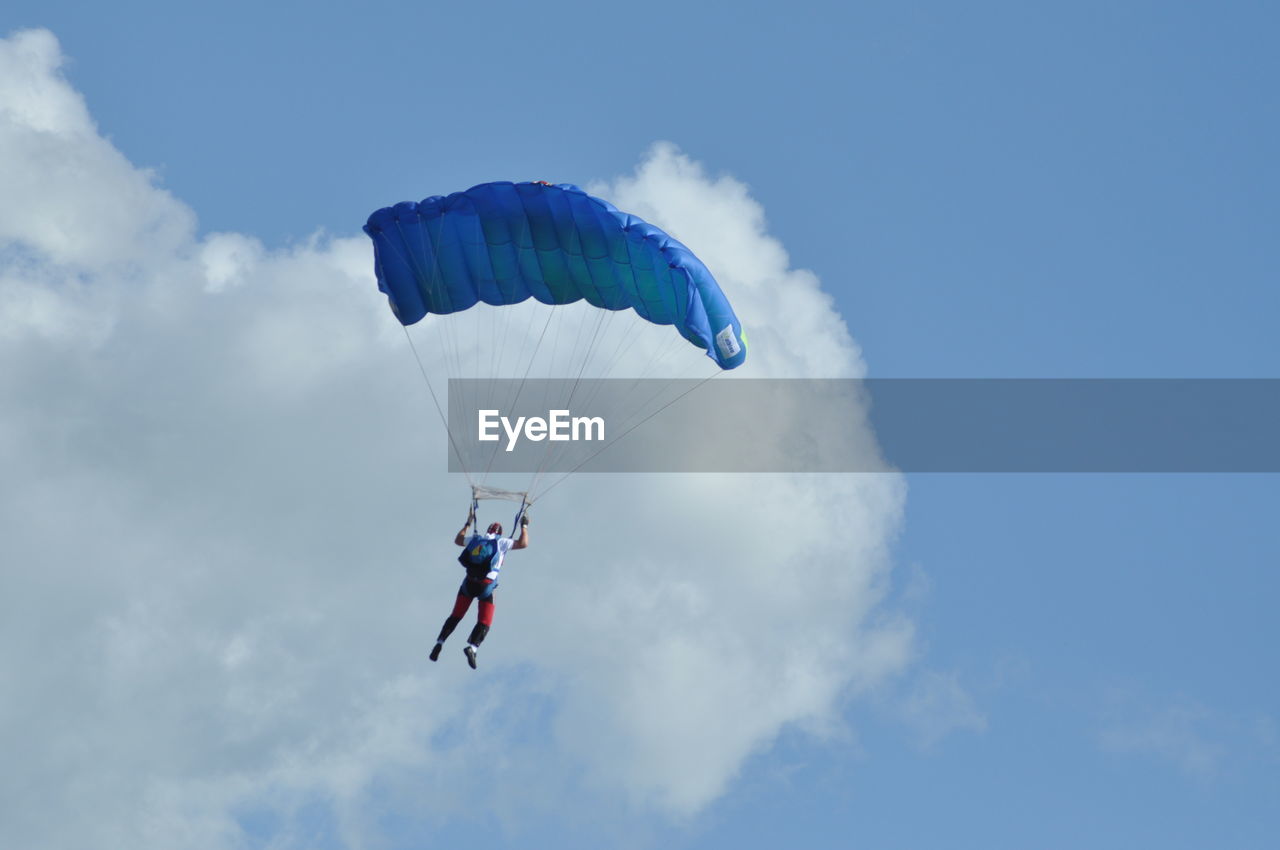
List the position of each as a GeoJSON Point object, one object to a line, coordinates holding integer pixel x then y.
{"type": "Point", "coordinates": [482, 556]}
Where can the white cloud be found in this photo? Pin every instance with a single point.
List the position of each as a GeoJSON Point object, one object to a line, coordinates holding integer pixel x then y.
{"type": "Point", "coordinates": [1199, 741]}
{"type": "Point", "coordinates": [726, 227]}
{"type": "Point", "coordinates": [1173, 733]}
{"type": "Point", "coordinates": [70, 195]}
{"type": "Point", "coordinates": [226, 535]}
{"type": "Point", "coordinates": [936, 705]}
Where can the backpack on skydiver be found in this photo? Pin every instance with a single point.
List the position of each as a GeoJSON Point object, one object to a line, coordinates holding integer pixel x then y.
{"type": "Point", "coordinates": [477, 556]}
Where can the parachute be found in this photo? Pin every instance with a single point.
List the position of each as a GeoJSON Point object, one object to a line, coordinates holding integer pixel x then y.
{"type": "Point", "coordinates": [503, 243]}
{"type": "Point", "coordinates": [467, 258]}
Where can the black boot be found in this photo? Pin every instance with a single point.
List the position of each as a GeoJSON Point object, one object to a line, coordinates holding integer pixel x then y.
{"type": "Point", "coordinates": [478, 635]}
{"type": "Point", "coordinates": [447, 629]}
{"type": "Point", "coordinates": [474, 641]}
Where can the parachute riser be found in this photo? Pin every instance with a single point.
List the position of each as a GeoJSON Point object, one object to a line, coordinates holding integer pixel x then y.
{"type": "Point", "coordinates": [524, 503]}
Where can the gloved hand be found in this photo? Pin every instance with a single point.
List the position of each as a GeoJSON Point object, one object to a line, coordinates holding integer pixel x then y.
{"type": "Point", "coordinates": [524, 520]}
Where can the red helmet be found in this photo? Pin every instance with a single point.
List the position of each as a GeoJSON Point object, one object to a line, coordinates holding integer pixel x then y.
{"type": "Point", "coordinates": [495, 528]}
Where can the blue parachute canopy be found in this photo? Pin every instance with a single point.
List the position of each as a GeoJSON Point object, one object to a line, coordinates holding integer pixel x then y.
{"type": "Point", "coordinates": [502, 243]}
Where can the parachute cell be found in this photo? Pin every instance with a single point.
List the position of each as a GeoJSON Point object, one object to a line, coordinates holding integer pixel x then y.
{"type": "Point", "coordinates": [503, 243]}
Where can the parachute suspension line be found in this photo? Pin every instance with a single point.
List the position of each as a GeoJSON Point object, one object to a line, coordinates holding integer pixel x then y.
{"type": "Point", "coordinates": [632, 333]}
{"type": "Point", "coordinates": [632, 411]}
{"type": "Point", "coordinates": [597, 376]}
{"type": "Point", "coordinates": [604, 321]}
{"type": "Point", "coordinates": [525, 377]}
{"type": "Point", "coordinates": [443, 419]}
{"type": "Point", "coordinates": [557, 482]}
{"type": "Point", "coordinates": [551, 370]}
{"type": "Point", "coordinates": [625, 341]}
{"type": "Point", "coordinates": [499, 341]}
{"type": "Point", "coordinates": [652, 367]}
{"type": "Point", "coordinates": [552, 449]}
{"type": "Point", "coordinates": [488, 325]}
{"type": "Point", "coordinates": [653, 372]}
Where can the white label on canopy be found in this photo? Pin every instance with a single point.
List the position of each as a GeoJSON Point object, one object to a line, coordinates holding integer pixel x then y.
{"type": "Point", "coordinates": [727, 342]}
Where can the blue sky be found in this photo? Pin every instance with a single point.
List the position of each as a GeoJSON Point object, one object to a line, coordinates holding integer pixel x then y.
{"type": "Point", "coordinates": [986, 190]}
{"type": "Point", "coordinates": [1070, 168]}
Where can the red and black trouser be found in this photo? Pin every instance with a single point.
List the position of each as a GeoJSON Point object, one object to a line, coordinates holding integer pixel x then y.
{"type": "Point", "coordinates": [472, 588]}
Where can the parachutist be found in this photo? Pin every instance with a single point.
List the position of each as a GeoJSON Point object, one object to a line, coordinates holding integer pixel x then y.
{"type": "Point", "coordinates": [482, 556]}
